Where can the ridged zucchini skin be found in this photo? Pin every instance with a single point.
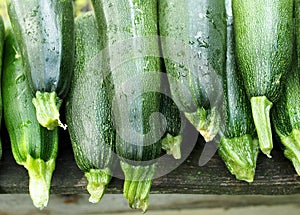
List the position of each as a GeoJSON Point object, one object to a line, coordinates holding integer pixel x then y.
{"type": "Point", "coordinates": [175, 124]}
{"type": "Point", "coordinates": [193, 39]}
{"type": "Point", "coordinates": [88, 108]}
{"type": "Point", "coordinates": [174, 119]}
{"type": "Point", "coordinates": [2, 33]}
{"type": "Point", "coordinates": [286, 117]}
{"type": "Point", "coordinates": [33, 146]}
{"type": "Point", "coordinates": [264, 43]}
{"type": "Point", "coordinates": [136, 77]}
{"type": "Point", "coordinates": [286, 111]}
{"type": "Point", "coordinates": [239, 146]}
{"type": "Point", "coordinates": [45, 33]}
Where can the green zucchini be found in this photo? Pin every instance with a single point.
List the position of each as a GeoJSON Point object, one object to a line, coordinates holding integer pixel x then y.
{"type": "Point", "coordinates": [175, 124]}
{"type": "Point", "coordinates": [33, 146]}
{"type": "Point", "coordinates": [264, 42]}
{"type": "Point", "coordinates": [286, 111]}
{"type": "Point", "coordinates": [2, 32]}
{"type": "Point", "coordinates": [88, 108]}
{"type": "Point", "coordinates": [286, 117]}
{"type": "Point", "coordinates": [238, 146]}
{"type": "Point", "coordinates": [45, 33]}
{"type": "Point", "coordinates": [193, 40]}
{"type": "Point", "coordinates": [131, 34]}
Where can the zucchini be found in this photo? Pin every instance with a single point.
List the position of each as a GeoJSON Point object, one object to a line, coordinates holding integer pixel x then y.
{"type": "Point", "coordinates": [88, 108]}
{"type": "Point", "coordinates": [132, 25]}
{"type": "Point", "coordinates": [33, 146]}
{"type": "Point", "coordinates": [264, 42]}
{"type": "Point", "coordinates": [286, 111]}
{"type": "Point", "coordinates": [1, 57]}
{"type": "Point", "coordinates": [45, 33]}
{"type": "Point", "coordinates": [238, 146]}
{"type": "Point", "coordinates": [175, 124]}
{"type": "Point", "coordinates": [286, 117]}
{"type": "Point", "coordinates": [193, 40]}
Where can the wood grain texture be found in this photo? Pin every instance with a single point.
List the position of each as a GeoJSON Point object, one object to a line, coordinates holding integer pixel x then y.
{"type": "Point", "coordinates": [274, 176]}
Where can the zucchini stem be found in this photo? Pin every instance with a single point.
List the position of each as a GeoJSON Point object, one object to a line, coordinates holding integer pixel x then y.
{"type": "Point", "coordinates": [172, 145]}
{"type": "Point", "coordinates": [97, 181]}
{"type": "Point", "coordinates": [40, 174]}
{"type": "Point", "coordinates": [292, 148]}
{"type": "Point", "coordinates": [261, 115]}
{"type": "Point", "coordinates": [206, 122]}
{"type": "Point", "coordinates": [240, 155]}
{"type": "Point", "coordinates": [137, 185]}
{"type": "Point", "coordinates": [47, 109]}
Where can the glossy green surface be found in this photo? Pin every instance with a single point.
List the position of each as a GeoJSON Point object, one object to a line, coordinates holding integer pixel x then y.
{"type": "Point", "coordinates": [193, 37]}
{"type": "Point", "coordinates": [33, 146]}
{"type": "Point", "coordinates": [88, 109]}
{"type": "Point", "coordinates": [264, 42]}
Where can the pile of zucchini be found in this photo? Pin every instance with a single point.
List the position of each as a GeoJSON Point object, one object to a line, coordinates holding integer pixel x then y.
{"type": "Point", "coordinates": [232, 72]}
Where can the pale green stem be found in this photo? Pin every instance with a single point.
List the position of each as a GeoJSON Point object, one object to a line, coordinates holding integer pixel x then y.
{"type": "Point", "coordinates": [172, 145]}
{"type": "Point", "coordinates": [47, 109]}
{"type": "Point", "coordinates": [207, 124]}
{"type": "Point", "coordinates": [40, 174]}
{"type": "Point", "coordinates": [97, 181]}
{"type": "Point", "coordinates": [261, 115]}
{"type": "Point", "coordinates": [292, 148]}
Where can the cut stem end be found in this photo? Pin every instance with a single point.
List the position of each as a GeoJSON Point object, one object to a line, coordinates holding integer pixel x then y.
{"type": "Point", "coordinates": [240, 155]}
{"type": "Point", "coordinates": [138, 181]}
{"type": "Point", "coordinates": [47, 107]}
{"type": "Point", "coordinates": [261, 115]}
{"type": "Point", "coordinates": [206, 122]}
{"type": "Point", "coordinates": [172, 145]}
{"type": "Point", "coordinates": [97, 181]}
{"type": "Point", "coordinates": [40, 174]}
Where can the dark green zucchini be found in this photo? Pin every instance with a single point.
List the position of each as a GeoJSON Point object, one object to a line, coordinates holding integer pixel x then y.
{"type": "Point", "coordinates": [45, 33]}
{"type": "Point", "coordinates": [130, 31]}
{"type": "Point", "coordinates": [193, 39]}
{"type": "Point", "coordinates": [33, 146]}
{"type": "Point", "coordinates": [286, 111]}
{"type": "Point", "coordinates": [2, 32]}
{"type": "Point", "coordinates": [264, 42]}
{"type": "Point", "coordinates": [239, 146]}
{"type": "Point", "coordinates": [286, 117]}
{"type": "Point", "coordinates": [175, 124]}
{"type": "Point", "coordinates": [88, 108]}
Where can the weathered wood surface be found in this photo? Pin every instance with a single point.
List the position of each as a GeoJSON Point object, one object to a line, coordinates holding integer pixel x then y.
{"type": "Point", "coordinates": [274, 176]}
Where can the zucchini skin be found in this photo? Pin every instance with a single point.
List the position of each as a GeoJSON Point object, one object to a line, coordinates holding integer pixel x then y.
{"type": "Point", "coordinates": [174, 119]}
{"type": "Point", "coordinates": [175, 124]}
{"type": "Point", "coordinates": [88, 108]}
{"type": "Point", "coordinates": [286, 111]}
{"type": "Point", "coordinates": [33, 146]}
{"type": "Point", "coordinates": [264, 43]}
{"type": "Point", "coordinates": [2, 33]}
{"type": "Point", "coordinates": [238, 147]}
{"type": "Point", "coordinates": [136, 80]}
{"type": "Point", "coordinates": [193, 40]}
{"type": "Point", "coordinates": [45, 34]}
{"type": "Point", "coordinates": [238, 116]}
{"type": "Point", "coordinates": [286, 117]}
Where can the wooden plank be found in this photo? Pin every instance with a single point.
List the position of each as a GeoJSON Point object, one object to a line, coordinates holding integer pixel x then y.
{"type": "Point", "coordinates": [274, 176]}
{"type": "Point", "coordinates": [78, 204]}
